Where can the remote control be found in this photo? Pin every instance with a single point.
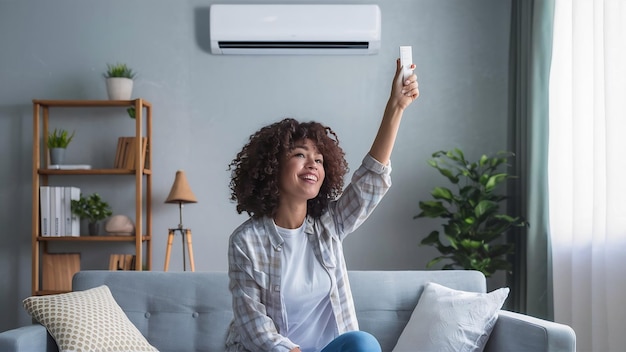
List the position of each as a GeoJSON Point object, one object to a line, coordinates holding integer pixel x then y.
{"type": "Point", "coordinates": [406, 60]}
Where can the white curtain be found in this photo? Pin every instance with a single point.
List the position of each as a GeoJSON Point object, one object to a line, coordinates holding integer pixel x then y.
{"type": "Point", "coordinates": [587, 171]}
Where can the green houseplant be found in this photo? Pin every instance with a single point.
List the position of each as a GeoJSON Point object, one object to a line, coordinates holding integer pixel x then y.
{"type": "Point", "coordinates": [119, 70]}
{"type": "Point", "coordinates": [119, 80]}
{"type": "Point", "coordinates": [58, 140]}
{"type": "Point", "coordinates": [471, 212]}
{"type": "Point", "coordinates": [131, 112]}
{"type": "Point", "coordinates": [93, 208]}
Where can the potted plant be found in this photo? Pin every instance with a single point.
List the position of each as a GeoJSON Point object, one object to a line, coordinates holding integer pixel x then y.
{"type": "Point", "coordinates": [119, 80]}
{"type": "Point", "coordinates": [131, 112]}
{"type": "Point", "coordinates": [471, 213]}
{"type": "Point", "coordinates": [58, 140]}
{"type": "Point", "coordinates": [92, 208]}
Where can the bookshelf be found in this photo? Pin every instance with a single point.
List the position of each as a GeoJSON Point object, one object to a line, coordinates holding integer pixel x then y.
{"type": "Point", "coordinates": [136, 166]}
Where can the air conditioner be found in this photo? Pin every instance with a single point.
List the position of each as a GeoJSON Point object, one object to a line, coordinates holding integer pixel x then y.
{"type": "Point", "coordinates": [294, 29]}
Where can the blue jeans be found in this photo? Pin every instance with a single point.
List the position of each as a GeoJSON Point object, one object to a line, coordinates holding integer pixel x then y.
{"type": "Point", "coordinates": [353, 341]}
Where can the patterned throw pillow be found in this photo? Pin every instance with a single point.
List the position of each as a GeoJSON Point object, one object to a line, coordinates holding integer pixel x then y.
{"type": "Point", "coordinates": [87, 320]}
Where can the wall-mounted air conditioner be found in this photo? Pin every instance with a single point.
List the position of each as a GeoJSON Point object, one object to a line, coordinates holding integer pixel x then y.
{"type": "Point", "coordinates": [295, 29]}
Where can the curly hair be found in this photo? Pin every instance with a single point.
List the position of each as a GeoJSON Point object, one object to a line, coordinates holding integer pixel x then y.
{"type": "Point", "coordinates": [255, 172]}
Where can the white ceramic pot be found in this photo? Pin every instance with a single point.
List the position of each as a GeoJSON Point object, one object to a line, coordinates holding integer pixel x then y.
{"type": "Point", "coordinates": [119, 88]}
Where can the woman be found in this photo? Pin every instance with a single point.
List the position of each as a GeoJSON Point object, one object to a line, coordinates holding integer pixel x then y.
{"type": "Point", "coordinates": [288, 277]}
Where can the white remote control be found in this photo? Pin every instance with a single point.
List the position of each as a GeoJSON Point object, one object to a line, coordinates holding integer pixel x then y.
{"type": "Point", "coordinates": [406, 60]}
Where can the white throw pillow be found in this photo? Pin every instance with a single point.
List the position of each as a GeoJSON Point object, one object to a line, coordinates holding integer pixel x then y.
{"type": "Point", "coordinates": [87, 320]}
{"type": "Point", "coordinates": [451, 320]}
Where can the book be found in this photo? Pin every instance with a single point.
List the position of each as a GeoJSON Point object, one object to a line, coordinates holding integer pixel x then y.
{"type": "Point", "coordinates": [72, 221]}
{"type": "Point", "coordinates": [122, 153]}
{"type": "Point", "coordinates": [58, 270]}
{"type": "Point", "coordinates": [70, 166]}
{"type": "Point", "coordinates": [44, 210]}
{"type": "Point", "coordinates": [56, 219]}
{"type": "Point", "coordinates": [119, 153]}
{"type": "Point", "coordinates": [61, 194]}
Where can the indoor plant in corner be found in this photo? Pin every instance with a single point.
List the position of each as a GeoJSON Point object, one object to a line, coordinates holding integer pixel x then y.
{"type": "Point", "coordinates": [119, 80]}
{"type": "Point", "coordinates": [473, 222]}
{"type": "Point", "coordinates": [58, 140]}
{"type": "Point", "coordinates": [92, 208]}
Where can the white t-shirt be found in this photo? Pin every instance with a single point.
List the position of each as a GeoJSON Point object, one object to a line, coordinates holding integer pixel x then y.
{"type": "Point", "coordinates": [305, 289]}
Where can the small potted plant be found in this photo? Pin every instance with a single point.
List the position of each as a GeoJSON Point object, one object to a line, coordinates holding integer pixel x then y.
{"type": "Point", "coordinates": [58, 140]}
{"type": "Point", "coordinates": [119, 79]}
{"type": "Point", "coordinates": [93, 208]}
{"type": "Point", "coordinates": [131, 112]}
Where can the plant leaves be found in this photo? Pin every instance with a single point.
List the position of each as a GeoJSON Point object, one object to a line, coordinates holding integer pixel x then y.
{"type": "Point", "coordinates": [484, 207]}
{"type": "Point", "coordinates": [453, 242]}
{"type": "Point", "coordinates": [442, 193]}
{"type": "Point", "coordinates": [471, 210]}
{"type": "Point", "coordinates": [447, 173]}
{"type": "Point", "coordinates": [432, 238]}
{"type": "Point", "coordinates": [494, 181]}
{"type": "Point", "coordinates": [470, 244]}
{"type": "Point", "coordinates": [483, 160]}
{"type": "Point", "coordinates": [432, 209]}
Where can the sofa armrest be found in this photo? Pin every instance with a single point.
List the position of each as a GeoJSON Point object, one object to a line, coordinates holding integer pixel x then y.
{"type": "Point", "coordinates": [27, 338]}
{"type": "Point", "coordinates": [518, 332]}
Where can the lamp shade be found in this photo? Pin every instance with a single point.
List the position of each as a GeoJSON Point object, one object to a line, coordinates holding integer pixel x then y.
{"type": "Point", "coordinates": [181, 192]}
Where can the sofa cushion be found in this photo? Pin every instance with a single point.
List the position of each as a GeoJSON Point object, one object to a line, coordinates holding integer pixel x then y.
{"type": "Point", "coordinates": [175, 311]}
{"type": "Point", "coordinates": [88, 320]}
{"type": "Point", "coordinates": [384, 300]}
{"type": "Point", "coordinates": [451, 320]}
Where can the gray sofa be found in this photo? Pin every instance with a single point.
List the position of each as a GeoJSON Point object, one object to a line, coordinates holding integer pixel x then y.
{"type": "Point", "coordinates": [191, 311]}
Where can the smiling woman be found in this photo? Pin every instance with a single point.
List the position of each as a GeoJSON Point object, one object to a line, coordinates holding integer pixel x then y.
{"type": "Point", "coordinates": [288, 276]}
{"type": "Point", "coordinates": [254, 183]}
{"type": "Point", "coordinates": [302, 175]}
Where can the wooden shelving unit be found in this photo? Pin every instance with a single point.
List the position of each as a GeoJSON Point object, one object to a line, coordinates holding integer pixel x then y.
{"type": "Point", "coordinates": [141, 172]}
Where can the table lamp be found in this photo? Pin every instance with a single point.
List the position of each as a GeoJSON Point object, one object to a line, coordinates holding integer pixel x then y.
{"type": "Point", "coordinates": [180, 194]}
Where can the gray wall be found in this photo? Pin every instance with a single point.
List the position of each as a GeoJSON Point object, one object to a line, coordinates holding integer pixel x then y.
{"type": "Point", "coordinates": [205, 107]}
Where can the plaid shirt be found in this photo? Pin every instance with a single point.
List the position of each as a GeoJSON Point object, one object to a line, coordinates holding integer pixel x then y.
{"type": "Point", "coordinates": [255, 264]}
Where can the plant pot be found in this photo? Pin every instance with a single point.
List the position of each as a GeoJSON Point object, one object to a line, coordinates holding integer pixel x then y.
{"type": "Point", "coordinates": [57, 156]}
{"type": "Point", "coordinates": [119, 88]}
{"type": "Point", "coordinates": [93, 228]}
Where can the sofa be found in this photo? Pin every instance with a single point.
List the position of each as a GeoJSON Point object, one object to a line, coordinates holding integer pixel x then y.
{"type": "Point", "coordinates": [191, 311]}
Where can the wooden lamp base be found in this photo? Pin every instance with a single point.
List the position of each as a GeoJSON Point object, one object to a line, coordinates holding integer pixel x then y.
{"type": "Point", "coordinates": [186, 238]}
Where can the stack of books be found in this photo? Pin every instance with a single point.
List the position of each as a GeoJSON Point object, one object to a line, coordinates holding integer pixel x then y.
{"type": "Point", "coordinates": [122, 262]}
{"type": "Point", "coordinates": [126, 152]}
{"type": "Point", "coordinates": [55, 206]}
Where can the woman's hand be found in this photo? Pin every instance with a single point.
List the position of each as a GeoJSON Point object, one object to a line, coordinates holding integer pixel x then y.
{"type": "Point", "coordinates": [296, 349]}
{"type": "Point", "coordinates": [403, 93]}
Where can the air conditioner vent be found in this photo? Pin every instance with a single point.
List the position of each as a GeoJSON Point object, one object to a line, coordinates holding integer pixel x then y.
{"type": "Point", "coordinates": [293, 45]}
